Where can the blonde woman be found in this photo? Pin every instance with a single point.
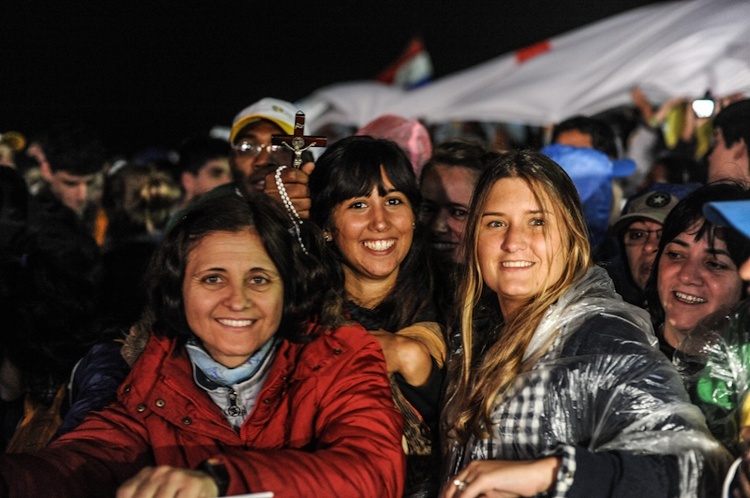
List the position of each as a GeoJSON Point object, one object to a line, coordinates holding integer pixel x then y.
{"type": "Point", "coordinates": [558, 387]}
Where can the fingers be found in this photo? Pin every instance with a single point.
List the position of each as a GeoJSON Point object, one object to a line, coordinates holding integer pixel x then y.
{"type": "Point", "coordinates": [168, 482]}
{"type": "Point", "coordinates": [744, 480]}
{"type": "Point", "coordinates": [292, 175]}
{"type": "Point", "coordinates": [451, 490]}
{"type": "Point", "coordinates": [295, 183]}
{"type": "Point", "coordinates": [308, 167]}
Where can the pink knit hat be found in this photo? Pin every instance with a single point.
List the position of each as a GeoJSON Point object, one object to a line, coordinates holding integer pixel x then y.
{"type": "Point", "coordinates": [409, 134]}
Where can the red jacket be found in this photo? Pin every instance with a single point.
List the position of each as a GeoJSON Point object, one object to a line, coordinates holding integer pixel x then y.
{"type": "Point", "coordinates": [324, 425]}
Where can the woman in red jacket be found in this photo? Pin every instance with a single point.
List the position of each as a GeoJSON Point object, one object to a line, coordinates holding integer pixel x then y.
{"type": "Point", "coordinates": [237, 390]}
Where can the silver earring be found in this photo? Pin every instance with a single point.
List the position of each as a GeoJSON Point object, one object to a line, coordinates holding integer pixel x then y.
{"type": "Point", "coordinates": [327, 238]}
{"type": "Point", "coordinates": [413, 225]}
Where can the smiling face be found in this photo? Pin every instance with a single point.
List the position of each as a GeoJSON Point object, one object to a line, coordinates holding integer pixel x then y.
{"type": "Point", "coordinates": [446, 195]}
{"type": "Point", "coordinates": [373, 233]}
{"type": "Point", "coordinates": [519, 244]}
{"type": "Point", "coordinates": [233, 295]}
{"type": "Point", "coordinates": [694, 280]}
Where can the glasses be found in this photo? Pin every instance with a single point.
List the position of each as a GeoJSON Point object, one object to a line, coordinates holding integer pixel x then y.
{"type": "Point", "coordinates": [636, 237]}
{"type": "Point", "coordinates": [254, 150]}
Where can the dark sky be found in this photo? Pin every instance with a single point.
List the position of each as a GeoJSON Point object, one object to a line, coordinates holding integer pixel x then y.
{"type": "Point", "coordinates": [148, 73]}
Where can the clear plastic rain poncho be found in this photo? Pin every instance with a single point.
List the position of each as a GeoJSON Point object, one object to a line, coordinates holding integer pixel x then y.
{"type": "Point", "coordinates": [603, 385]}
{"type": "Point", "coordinates": [715, 361]}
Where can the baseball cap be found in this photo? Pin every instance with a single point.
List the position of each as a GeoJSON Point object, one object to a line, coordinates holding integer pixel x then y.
{"type": "Point", "coordinates": [735, 214]}
{"type": "Point", "coordinates": [277, 111]}
{"type": "Point", "coordinates": [654, 203]}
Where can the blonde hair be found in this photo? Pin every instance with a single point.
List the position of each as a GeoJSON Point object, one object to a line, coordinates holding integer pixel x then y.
{"type": "Point", "coordinates": [484, 370]}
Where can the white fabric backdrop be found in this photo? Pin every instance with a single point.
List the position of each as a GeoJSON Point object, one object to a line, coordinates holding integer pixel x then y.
{"type": "Point", "coordinates": [668, 49]}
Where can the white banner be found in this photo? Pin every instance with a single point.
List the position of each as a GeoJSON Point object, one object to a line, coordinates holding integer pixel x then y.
{"type": "Point", "coordinates": [678, 49]}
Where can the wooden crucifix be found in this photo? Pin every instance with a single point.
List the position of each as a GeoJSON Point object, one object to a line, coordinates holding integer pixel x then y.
{"type": "Point", "coordinates": [298, 143]}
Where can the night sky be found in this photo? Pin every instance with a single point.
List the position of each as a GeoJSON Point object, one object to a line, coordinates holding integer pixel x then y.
{"type": "Point", "coordinates": [151, 73]}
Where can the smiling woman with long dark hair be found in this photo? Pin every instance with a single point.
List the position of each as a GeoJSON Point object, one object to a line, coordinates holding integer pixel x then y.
{"type": "Point", "coordinates": [365, 198]}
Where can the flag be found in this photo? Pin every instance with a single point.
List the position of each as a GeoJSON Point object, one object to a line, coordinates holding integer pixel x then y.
{"type": "Point", "coordinates": [413, 68]}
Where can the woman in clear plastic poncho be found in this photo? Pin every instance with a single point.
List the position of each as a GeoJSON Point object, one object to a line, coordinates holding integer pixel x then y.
{"type": "Point", "coordinates": [716, 355]}
{"type": "Point", "coordinates": [695, 270]}
{"type": "Point", "coordinates": [558, 386]}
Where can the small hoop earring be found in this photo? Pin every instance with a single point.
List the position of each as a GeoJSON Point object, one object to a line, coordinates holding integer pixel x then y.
{"type": "Point", "coordinates": [327, 238]}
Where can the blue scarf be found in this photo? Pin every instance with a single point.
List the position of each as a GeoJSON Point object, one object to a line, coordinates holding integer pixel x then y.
{"type": "Point", "coordinates": [226, 376]}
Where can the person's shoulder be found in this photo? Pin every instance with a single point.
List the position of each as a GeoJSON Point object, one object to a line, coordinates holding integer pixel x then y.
{"type": "Point", "coordinates": [155, 355]}
{"type": "Point", "coordinates": [332, 348]}
{"type": "Point", "coordinates": [609, 333]}
{"type": "Point", "coordinates": [345, 338]}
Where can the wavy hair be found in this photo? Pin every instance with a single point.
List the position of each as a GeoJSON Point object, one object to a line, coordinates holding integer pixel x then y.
{"type": "Point", "coordinates": [492, 348]}
{"type": "Point", "coordinates": [303, 276]}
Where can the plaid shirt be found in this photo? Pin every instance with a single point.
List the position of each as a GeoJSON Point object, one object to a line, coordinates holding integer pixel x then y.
{"type": "Point", "coordinates": [517, 428]}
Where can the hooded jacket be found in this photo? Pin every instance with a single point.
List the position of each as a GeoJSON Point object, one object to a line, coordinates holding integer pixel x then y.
{"type": "Point", "coordinates": [324, 425]}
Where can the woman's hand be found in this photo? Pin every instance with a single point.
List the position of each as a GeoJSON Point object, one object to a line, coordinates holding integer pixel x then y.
{"type": "Point", "coordinates": [168, 482]}
{"type": "Point", "coordinates": [408, 357]}
{"type": "Point", "coordinates": [503, 478]}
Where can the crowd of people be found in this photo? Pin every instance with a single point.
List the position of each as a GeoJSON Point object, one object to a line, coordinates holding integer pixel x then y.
{"type": "Point", "coordinates": [401, 315]}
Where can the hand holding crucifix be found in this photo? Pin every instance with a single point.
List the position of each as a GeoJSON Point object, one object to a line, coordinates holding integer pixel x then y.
{"type": "Point", "coordinates": [298, 143]}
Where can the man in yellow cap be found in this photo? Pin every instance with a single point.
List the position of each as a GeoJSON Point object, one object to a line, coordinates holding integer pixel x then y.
{"type": "Point", "coordinates": [254, 159]}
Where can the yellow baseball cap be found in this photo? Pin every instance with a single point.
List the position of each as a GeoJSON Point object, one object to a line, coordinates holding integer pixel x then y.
{"type": "Point", "coordinates": [279, 112]}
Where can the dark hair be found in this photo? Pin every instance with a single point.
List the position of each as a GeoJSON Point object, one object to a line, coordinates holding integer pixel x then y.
{"type": "Point", "coordinates": [75, 149]}
{"type": "Point", "coordinates": [49, 281]}
{"type": "Point", "coordinates": [686, 214]}
{"type": "Point", "coordinates": [680, 168]}
{"type": "Point", "coordinates": [351, 168]}
{"type": "Point", "coordinates": [14, 196]}
{"type": "Point", "coordinates": [464, 153]}
{"type": "Point", "coordinates": [602, 134]}
{"type": "Point", "coordinates": [195, 152]}
{"type": "Point", "coordinates": [303, 276]}
{"type": "Point", "coordinates": [734, 122]}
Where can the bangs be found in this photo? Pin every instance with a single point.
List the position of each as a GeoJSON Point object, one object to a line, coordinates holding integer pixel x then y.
{"type": "Point", "coordinates": [363, 172]}
{"type": "Point", "coordinates": [358, 180]}
{"type": "Point", "coordinates": [352, 167]}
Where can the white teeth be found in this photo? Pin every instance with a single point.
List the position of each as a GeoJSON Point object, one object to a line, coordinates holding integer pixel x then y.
{"type": "Point", "coordinates": [234, 323]}
{"type": "Point", "coordinates": [687, 298]}
{"type": "Point", "coordinates": [516, 264]}
{"type": "Point", "coordinates": [378, 245]}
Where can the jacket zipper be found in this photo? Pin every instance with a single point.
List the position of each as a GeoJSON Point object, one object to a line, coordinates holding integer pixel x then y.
{"type": "Point", "coordinates": [233, 410]}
